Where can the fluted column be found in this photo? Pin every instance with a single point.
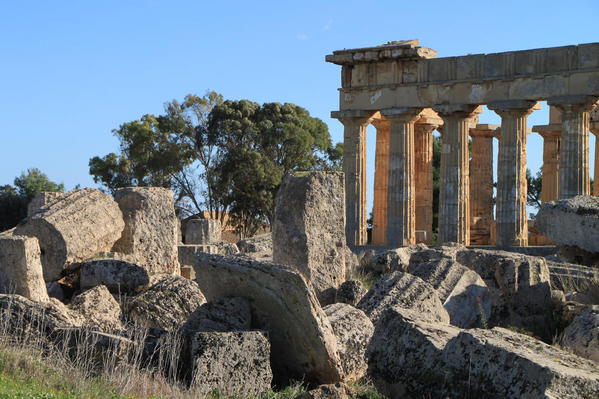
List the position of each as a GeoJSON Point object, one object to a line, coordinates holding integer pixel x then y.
{"type": "Point", "coordinates": [574, 144]}
{"type": "Point", "coordinates": [454, 206]}
{"type": "Point", "coordinates": [481, 183]}
{"type": "Point", "coordinates": [381, 176]}
{"type": "Point", "coordinates": [423, 166]}
{"type": "Point", "coordinates": [550, 170]}
{"type": "Point", "coordinates": [512, 220]}
{"type": "Point", "coordinates": [354, 168]}
{"type": "Point", "coordinates": [400, 190]}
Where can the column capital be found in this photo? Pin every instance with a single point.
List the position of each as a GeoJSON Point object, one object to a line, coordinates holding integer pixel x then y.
{"type": "Point", "coordinates": [402, 114]}
{"type": "Point", "coordinates": [425, 127]}
{"type": "Point", "coordinates": [580, 103]}
{"type": "Point", "coordinates": [353, 116]}
{"type": "Point", "coordinates": [485, 130]}
{"type": "Point", "coordinates": [594, 128]}
{"type": "Point", "coordinates": [553, 130]}
{"type": "Point", "coordinates": [381, 123]}
{"type": "Point", "coordinates": [516, 108]}
{"type": "Point", "coordinates": [456, 110]}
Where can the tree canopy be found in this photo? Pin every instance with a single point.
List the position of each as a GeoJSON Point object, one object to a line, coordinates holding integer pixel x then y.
{"type": "Point", "coordinates": [219, 155]}
{"type": "Point", "coordinates": [14, 199]}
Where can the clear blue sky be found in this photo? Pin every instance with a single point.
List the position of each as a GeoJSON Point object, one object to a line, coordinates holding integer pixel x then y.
{"type": "Point", "coordinates": [71, 71]}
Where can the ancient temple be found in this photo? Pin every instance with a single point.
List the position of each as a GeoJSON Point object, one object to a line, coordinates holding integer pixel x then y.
{"type": "Point", "coordinates": [406, 93]}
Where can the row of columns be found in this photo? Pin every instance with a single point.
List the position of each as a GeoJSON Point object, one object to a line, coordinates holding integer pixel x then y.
{"type": "Point", "coordinates": [404, 160]}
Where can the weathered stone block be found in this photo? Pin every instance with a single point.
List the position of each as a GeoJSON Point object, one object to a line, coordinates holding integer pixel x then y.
{"type": "Point", "coordinates": [21, 269]}
{"type": "Point", "coordinates": [186, 252]}
{"type": "Point", "coordinates": [232, 363]}
{"type": "Point", "coordinates": [350, 292]}
{"type": "Point", "coordinates": [166, 304]}
{"type": "Point", "coordinates": [118, 276]}
{"type": "Point", "coordinates": [462, 291]}
{"type": "Point", "coordinates": [353, 330]}
{"type": "Point", "coordinates": [42, 200]}
{"type": "Point", "coordinates": [582, 335]}
{"type": "Point", "coordinates": [202, 231]}
{"type": "Point", "coordinates": [150, 236]}
{"type": "Point", "coordinates": [403, 291]}
{"type": "Point", "coordinates": [225, 314]}
{"type": "Point", "coordinates": [73, 228]}
{"type": "Point", "coordinates": [573, 221]}
{"type": "Point", "coordinates": [99, 309]}
{"type": "Point", "coordinates": [309, 229]}
{"type": "Point", "coordinates": [303, 341]}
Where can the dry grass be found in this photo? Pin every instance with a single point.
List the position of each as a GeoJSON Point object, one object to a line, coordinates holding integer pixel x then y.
{"type": "Point", "coordinates": [70, 365]}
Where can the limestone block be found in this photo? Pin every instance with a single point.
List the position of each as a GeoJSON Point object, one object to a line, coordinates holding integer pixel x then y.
{"type": "Point", "coordinates": [462, 291]}
{"type": "Point", "coordinates": [350, 292]}
{"type": "Point", "coordinates": [309, 229]}
{"type": "Point", "coordinates": [99, 309]}
{"type": "Point", "coordinates": [232, 363]}
{"type": "Point", "coordinates": [403, 291]}
{"type": "Point", "coordinates": [99, 349]}
{"type": "Point", "coordinates": [501, 363]}
{"type": "Point", "coordinates": [41, 200]}
{"type": "Point", "coordinates": [328, 391]}
{"type": "Point", "coordinates": [186, 252]}
{"type": "Point", "coordinates": [353, 330]}
{"type": "Point", "coordinates": [74, 228]}
{"type": "Point", "coordinates": [258, 243]}
{"type": "Point", "coordinates": [573, 221]}
{"type": "Point", "coordinates": [150, 235]}
{"type": "Point", "coordinates": [120, 277]}
{"type": "Point", "coordinates": [226, 248]}
{"type": "Point", "coordinates": [21, 269]}
{"type": "Point", "coordinates": [519, 288]}
{"type": "Point", "coordinates": [582, 335]}
{"type": "Point", "coordinates": [24, 318]}
{"type": "Point", "coordinates": [202, 231]}
{"type": "Point", "coordinates": [225, 314]}
{"type": "Point", "coordinates": [405, 356]}
{"type": "Point", "coordinates": [303, 341]}
{"type": "Point", "coordinates": [167, 304]}
{"type": "Point", "coordinates": [393, 260]}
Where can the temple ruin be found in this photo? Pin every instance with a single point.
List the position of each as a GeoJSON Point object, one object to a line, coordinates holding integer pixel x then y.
{"type": "Point", "coordinates": [406, 93]}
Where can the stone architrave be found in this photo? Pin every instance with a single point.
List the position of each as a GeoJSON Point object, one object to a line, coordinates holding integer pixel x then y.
{"type": "Point", "coordinates": [423, 169]}
{"type": "Point", "coordinates": [21, 268]}
{"type": "Point", "coordinates": [481, 183]}
{"type": "Point", "coordinates": [202, 231]}
{"type": "Point", "coordinates": [401, 223]}
{"type": "Point", "coordinates": [574, 144]}
{"type": "Point", "coordinates": [381, 176]}
{"type": "Point", "coordinates": [512, 219]}
{"type": "Point", "coordinates": [354, 167]}
{"type": "Point", "coordinates": [308, 230]}
{"type": "Point", "coordinates": [303, 341]}
{"type": "Point", "coordinates": [454, 196]}
{"type": "Point", "coordinates": [150, 236]}
{"type": "Point", "coordinates": [75, 228]}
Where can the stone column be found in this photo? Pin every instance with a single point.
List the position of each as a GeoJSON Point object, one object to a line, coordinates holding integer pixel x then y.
{"type": "Point", "coordinates": [423, 166]}
{"type": "Point", "coordinates": [595, 131]}
{"type": "Point", "coordinates": [512, 220]}
{"type": "Point", "coordinates": [400, 191]}
{"type": "Point", "coordinates": [354, 167]}
{"type": "Point", "coordinates": [481, 183]}
{"type": "Point", "coordinates": [550, 170]}
{"type": "Point", "coordinates": [454, 206]}
{"type": "Point", "coordinates": [381, 176]}
{"type": "Point", "coordinates": [574, 144]}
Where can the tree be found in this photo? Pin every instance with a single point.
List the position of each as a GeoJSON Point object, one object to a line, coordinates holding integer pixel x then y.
{"type": "Point", "coordinates": [534, 186]}
{"type": "Point", "coordinates": [221, 156]}
{"type": "Point", "coordinates": [14, 200]}
{"type": "Point", "coordinates": [257, 146]}
{"type": "Point", "coordinates": [169, 150]}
